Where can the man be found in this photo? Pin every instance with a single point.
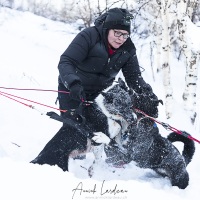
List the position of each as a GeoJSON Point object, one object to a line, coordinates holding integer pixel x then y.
{"type": "Point", "coordinates": [94, 58]}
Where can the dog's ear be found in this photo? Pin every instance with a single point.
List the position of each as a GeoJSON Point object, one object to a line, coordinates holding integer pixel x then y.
{"type": "Point", "coordinates": [120, 81]}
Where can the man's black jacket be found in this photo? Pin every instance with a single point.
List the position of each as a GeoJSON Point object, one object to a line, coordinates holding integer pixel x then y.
{"type": "Point", "coordinates": [86, 61]}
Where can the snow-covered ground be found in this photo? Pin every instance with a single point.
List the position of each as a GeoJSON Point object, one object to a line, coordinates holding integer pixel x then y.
{"type": "Point", "coordinates": [30, 47]}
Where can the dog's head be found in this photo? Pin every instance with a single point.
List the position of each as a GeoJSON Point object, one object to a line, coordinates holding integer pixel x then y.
{"type": "Point", "coordinates": [117, 102]}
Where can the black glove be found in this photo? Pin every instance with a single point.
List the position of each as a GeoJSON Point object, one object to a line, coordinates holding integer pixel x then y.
{"type": "Point", "coordinates": [146, 90]}
{"type": "Point", "coordinates": [76, 92]}
{"type": "Point", "coordinates": [147, 101]}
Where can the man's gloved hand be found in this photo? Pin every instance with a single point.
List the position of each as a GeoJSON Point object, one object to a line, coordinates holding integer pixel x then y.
{"type": "Point", "coordinates": [76, 92]}
{"type": "Point", "coordinates": [147, 101]}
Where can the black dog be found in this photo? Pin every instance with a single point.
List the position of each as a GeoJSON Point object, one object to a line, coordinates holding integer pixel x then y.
{"type": "Point", "coordinates": [143, 144]}
{"type": "Point", "coordinates": [74, 138]}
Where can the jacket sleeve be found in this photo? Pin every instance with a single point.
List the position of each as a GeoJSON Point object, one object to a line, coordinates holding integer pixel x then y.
{"type": "Point", "coordinates": [76, 52]}
{"type": "Point", "coordinates": [132, 74]}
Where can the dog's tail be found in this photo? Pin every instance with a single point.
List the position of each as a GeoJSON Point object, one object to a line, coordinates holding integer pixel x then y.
{"type": "Point", "coordinates": [189, 147]}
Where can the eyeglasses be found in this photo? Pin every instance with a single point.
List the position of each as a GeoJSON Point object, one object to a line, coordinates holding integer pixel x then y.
{"type": "Point", "coordinates": [118, 34]}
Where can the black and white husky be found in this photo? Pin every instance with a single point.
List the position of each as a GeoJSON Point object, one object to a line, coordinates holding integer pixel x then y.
{"type": "Point", "coordinates": [110, 113]}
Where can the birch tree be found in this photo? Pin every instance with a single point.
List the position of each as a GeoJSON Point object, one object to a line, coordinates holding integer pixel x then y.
{"type": "Point", "coordinates": [165, 56]}
{"type": "Point", "coordinates": [185, 13]}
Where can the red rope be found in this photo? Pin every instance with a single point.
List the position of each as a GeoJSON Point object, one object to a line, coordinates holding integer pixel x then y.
{"type": "Point", "coordinates": [167, 126]}
{"type": "Point", "coordinates": [30, 106]}
{"type": "Point", "coordinates": [7, 95]}
{"type": "Point", "coordinates": [34, 89]}
{"type": "Point", "coordinates": [181, 133]}
{"type": "Point", "coordinates": [1, 93]}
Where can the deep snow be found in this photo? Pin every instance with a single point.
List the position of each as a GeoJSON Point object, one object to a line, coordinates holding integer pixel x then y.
{"type": "Point", "coordinates": [30, 47]}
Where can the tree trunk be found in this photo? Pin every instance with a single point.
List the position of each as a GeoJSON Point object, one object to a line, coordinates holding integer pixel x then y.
{"type": "Point", "coordinates": [189, 95]}
{"type": "Point", "coordinates": [165, 58]}
{"type": "Point", "coordinates": [192, 57]}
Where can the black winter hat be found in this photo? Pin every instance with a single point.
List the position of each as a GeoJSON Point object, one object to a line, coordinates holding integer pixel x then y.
{"type": "Point", "coordinates": [118, 18]}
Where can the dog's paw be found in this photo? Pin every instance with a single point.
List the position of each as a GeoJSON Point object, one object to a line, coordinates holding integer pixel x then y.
{"type": "Point", "coordinates": [100, 137]}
